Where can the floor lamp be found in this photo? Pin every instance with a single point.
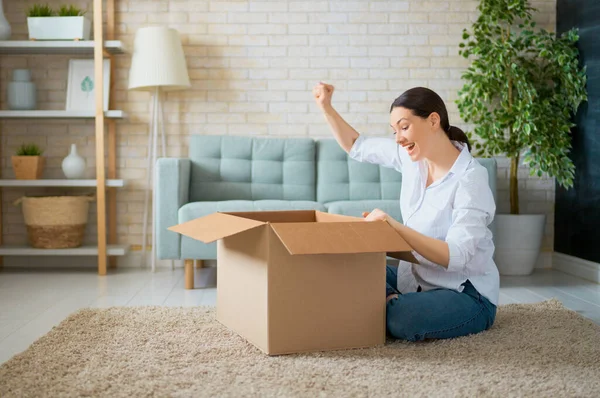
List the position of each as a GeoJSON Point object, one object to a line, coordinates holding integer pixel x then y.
{"type": "Point", "coordinates": [158, 65]}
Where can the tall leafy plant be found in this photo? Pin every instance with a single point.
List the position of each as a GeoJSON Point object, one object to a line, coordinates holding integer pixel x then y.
{"type": "Point", "coordinates": [521, 90]}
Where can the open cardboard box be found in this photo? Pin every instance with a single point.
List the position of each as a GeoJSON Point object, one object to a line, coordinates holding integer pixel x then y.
{"type": "Point", "coordinates": [298, 281]}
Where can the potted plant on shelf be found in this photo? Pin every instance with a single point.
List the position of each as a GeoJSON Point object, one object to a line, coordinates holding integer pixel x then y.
{"type": "Point", "coordinates": [69, 24]}
{"type": "Point", "coordinates": [28, 164]}
{"type": "Point", "coordinates": [520, 92]}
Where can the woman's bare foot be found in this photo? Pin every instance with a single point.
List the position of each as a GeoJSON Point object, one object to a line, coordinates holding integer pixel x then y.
{"type": "Point", "coordinates": [391, 296]}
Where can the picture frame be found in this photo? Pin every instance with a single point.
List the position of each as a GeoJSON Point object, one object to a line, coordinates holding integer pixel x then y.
{"type": "Point", "coordinates": [81, 86]}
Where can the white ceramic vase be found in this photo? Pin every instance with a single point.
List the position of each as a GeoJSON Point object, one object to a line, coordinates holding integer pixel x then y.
{"type": "Point", "coordinates": [518, 240]}
{"type": "Point", "coordinates": [73, 165]}
{"type": "Point", "coordinates": [5, 30]}
{"type": "Point", "coordinates": [21, 92]}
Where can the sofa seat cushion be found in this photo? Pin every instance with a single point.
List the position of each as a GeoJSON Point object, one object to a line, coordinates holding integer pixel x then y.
{"type": "Point", "coordinates": [193, 210]}
{"type": "Point", "coordinates": [355, 208]}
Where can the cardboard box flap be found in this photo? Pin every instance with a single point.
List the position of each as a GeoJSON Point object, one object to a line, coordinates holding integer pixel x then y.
{"type": "Point", "coordinates": [340, 237]}
{"type": "Point", "coordinates": [215, 226]}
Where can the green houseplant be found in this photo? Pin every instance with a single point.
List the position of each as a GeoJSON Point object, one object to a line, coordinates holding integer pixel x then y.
{"type": "Point", "coordinates": [520, 92]}
{"type": "Point", "coordinates": [28, 163]}
{"type": "Point", "coordinates": [68, 23]}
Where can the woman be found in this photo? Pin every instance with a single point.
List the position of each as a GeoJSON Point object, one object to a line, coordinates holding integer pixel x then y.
{"type": "Point", "coordinates": [446, 205]}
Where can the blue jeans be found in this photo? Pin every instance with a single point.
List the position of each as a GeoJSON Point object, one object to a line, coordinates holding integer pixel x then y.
{"type": "Point", "coordinates": [436, 314]}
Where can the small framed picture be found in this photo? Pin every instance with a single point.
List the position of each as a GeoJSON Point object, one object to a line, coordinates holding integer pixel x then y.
{"type": "Point", "coordinates": [81, 87]}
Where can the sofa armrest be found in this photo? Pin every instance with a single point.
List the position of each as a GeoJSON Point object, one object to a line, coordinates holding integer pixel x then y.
{"type": "Point", "coordinates": [172, 190]}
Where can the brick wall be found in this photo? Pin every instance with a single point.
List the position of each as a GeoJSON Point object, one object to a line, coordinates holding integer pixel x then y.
{"type": "Point", "coordinates": [252, 65]}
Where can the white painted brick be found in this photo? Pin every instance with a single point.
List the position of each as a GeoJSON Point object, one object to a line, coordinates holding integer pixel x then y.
{"type": "Point", "coordinates": [327, 17]}
{"type": "Point", "coordinates": [287, 130]}
{"type": "Point", "coordinates": [393, 73]}
{"type": "Point", "coordinates": [286, 85]}
{"type": "Point", "coordinates": [338, 29]}
{"type": "Point", "coordinates": [308, 51]}
{"type": "Point", "coordinates": [267, 118]}
{"type": "Point", "coordinates": [329, 40]}
{"type": "Point", "coordinates": [251, 18]}
{"type": "Point", "coordinates": [250, 63]}
{"type": "Point", "coordinates": [348, 6]}
{"type": "Point", "coordinates": [296, 40]}
{"type": "Point", "coordinates": [403, 85]}
{"type": "Point", "coordinates": [287, 107]}
{"type": "Point", "coordinates": [348, 51]}
{"type": "Point", "coordinates": [270, 51]}
{"type": "Point", "coordinates": [227, 29]}
{"type": "Point", "coordinates": [267, 29]}
{"type": "Point", "coordinates": [410, 62]}
{"type": "Point", "coordinates": [229, 6]}
{"type": "Point", "coordinates": [296, 18]}
{"type": "Point", "coordinates": [429, 73]}
{"type": "Point", "coordinates": [269, 73]}
{"type": "Point", "coordinates": [368, 107]}
{"type": "Point", "coordinates": [388, 51]}
{"type": "Point", "coordinates": [271, 95]}
{"type": "Point", "coordinates": [289, 62]}
{"type": "Point", "coordinates": [369, 40]}
{"type": "Point", "coordinates": [187, 6]}
{"type": "Point", "coordinates": [307, 29]}
{"type": "Point", "coordinates": [370, 62]}
{"type": "Point", "coordinates": [449, 62]}
{"type": "Point", "coordinates": [308, 74]}
{"type": "Point", "coordinates": [330, 62]}
{"type": "Point", "coordinates": [308, 6]}
{"type": "Point", "coordinates": [387, 29]}
{"type": "Point", "coordinates": [341, 74]}
{"type": "Point", "coordinates": [169, 18]}
{"type": "Point", "coordinates": [464, 5]}
{"type": "Point", "coordinates": [247, 129]}
{"type": "Point", "coordinates": [409, 17]}
{"type": "Point", "coordinates": [268, 6]}
{"type": "Point", "coordinates": [207, 17]}
{"type": "Point", "coordinates": [389, 6]}
{"type": "Point", "coordinates": [248, 40]}
{"type": "Point", "coordinates": [371, 17]}
{"type": "Point", "coordinates": [367, 85]}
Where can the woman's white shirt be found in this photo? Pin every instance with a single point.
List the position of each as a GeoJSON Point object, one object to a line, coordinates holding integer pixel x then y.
{"type": "Point", "coordinates": [458, 209]}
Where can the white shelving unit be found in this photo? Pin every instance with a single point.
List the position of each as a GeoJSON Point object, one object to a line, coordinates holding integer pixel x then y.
{"type": "Point", "coordinates": [111, 250]}
{"type": "Point", "coordinates": [59, 114]}
{"type": "Point", "coordinates": [58, 47]}
{"type": "Point", "coordinates": [106, 180]}
{"type": "Point", "coordinates": [60, 183]}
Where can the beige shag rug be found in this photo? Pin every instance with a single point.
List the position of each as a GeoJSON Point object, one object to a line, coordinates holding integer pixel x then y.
{"type": "Point", "coordinates": [532, 350]}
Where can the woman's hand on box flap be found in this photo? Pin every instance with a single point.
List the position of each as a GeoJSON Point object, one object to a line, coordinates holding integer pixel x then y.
{"type": "Point", "coordinates": [376, 215]}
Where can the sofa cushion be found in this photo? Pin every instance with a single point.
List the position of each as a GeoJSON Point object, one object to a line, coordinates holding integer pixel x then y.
{"type": "Point", "coordinates": [355, 208]}
{"type": "Point", "coordinates": [341, 178]}
{"type": "Point", "coordinates": [194, 210]}
{"type": "Point", "coordinates": [246, 168]}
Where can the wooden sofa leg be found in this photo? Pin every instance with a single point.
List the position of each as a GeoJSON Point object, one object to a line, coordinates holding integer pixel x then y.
{"type": "Point", "coordinates": [189, 274]}
{"type": "Point", "coordinates": [199, 263]}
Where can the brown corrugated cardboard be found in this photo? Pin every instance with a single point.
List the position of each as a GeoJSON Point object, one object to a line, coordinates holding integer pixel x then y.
{"type": "Point", "coordinates": [297, 281]}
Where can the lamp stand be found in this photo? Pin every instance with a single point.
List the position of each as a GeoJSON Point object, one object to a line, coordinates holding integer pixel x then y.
{"type": "Point", "coordinates": [157, 120]}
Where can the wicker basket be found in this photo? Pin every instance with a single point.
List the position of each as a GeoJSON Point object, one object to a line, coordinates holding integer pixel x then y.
{"type": "Point", "coordinates": [55, 222]}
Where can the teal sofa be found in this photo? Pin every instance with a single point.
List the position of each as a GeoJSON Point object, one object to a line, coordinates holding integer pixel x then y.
{"type": "Point", "coordinates": [228, 173]}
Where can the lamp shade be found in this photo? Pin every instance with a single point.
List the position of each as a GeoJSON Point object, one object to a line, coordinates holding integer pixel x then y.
{"type": "Point", "coordinates": [158, 60]}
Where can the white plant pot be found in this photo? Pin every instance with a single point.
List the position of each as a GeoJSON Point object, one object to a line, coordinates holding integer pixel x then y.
{"type": "Point", "coordinates": [518, 240]}
{"type": "Point", "coordinates": [59, 28]}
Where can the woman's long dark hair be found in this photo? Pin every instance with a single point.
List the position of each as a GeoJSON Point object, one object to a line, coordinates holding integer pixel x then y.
{"type": "Point", "coordinates": [423, 102]}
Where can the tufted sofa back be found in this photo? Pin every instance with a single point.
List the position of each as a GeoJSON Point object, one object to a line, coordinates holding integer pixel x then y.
{"type": "Point", "coordinates": [247, 168]}
{"type": "Point", "coordinates": [341, 178]}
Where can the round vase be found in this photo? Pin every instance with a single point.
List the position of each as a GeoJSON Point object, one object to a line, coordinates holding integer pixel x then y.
{"type": "Point", "coordinates": [5, 30]}
{"type": "Point", "coordinates": [73, 165]}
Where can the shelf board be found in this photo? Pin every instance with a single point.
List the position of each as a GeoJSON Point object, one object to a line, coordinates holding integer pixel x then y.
{"type": "Point", "coordinates": [56, 114]}
{"type": "Point", "coordinates": [89, 250]}
{"type": "Point", "coordinates": [57, 47]}
{"type": "Point", "coordinates": [59, 183]}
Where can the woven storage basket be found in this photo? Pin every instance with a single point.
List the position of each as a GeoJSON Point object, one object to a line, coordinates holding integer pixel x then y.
{"type": "Point", "coordinates": [55, 222]}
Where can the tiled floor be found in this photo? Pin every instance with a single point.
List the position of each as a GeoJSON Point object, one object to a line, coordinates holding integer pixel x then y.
{"type": "Point", "coordinates": [33, 301]}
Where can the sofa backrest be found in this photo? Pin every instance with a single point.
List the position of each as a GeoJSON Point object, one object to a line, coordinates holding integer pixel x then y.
{"type": "Point", "coordinates": [247, 168]}
{"type": "Point", "coordinates": [341, 178]}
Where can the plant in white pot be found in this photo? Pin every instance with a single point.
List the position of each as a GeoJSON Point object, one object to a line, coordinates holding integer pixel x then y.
{"type": "Point", "coordinates": [70, 23]}
{"type": "Point", "coordinates": [520, 92]}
